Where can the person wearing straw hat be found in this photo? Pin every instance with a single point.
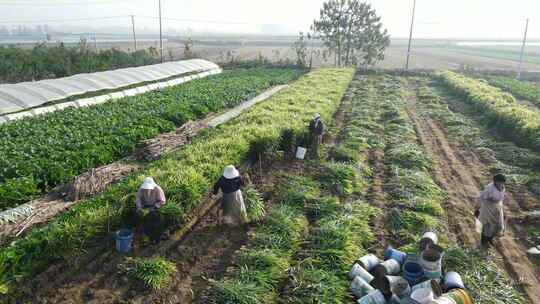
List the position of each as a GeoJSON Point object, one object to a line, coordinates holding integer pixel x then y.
{"type": "Point", "coordinates": [232, 208]}
{"type": "Point", "coordinates": [316, 130]}
{"type": "Point", "coordinates": [150, 197]}
{"type": "Point", "coordinates": [489, 210]}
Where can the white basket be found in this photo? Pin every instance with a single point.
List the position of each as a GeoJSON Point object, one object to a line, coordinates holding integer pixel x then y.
{"type": "Point", "coordinates": [301, 152]}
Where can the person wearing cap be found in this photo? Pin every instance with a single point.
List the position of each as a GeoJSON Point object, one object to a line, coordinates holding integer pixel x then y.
{"type": "Point", "coordinates": [489, 210]}
{"type": "Point", "coordinates": [233, 209]}
{"type": "Point", "coordinates": [150, 197]}
{"type": "Point", "coordinates": [316, 130]}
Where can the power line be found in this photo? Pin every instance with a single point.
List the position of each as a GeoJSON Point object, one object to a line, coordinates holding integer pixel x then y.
{"type": "Point", "coordinates": [63, 20]}
{"type": "Point", "coordinates": [196, 20]}
{"type": "Point", "coordinates": [23, 3]}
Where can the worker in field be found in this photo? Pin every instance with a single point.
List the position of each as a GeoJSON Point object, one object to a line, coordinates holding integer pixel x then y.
{"type": "Point", "coordinates": [489, 210]}
{"type": "Point", "coordinates": [150, 197]}
{"type": "Point", "coordinates": [232, 207]}
{"type": "Point", "coordinates": [316, 130]}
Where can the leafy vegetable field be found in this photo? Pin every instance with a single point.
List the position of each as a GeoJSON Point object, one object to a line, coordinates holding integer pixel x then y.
{"type": "Point", "coordinates": [185, 175]}
{"type": "Point", "coordinates": [39, 153]}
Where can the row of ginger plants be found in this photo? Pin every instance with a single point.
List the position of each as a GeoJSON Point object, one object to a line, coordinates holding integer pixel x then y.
{"type": "Point", "coordinates": [518, 122]}
{"type": "Point", "coordinates": [315, 230]}
{"type": "Point", "coordinates": [416, 201]}
{"type": "Point", "coordinates": [185, 175]}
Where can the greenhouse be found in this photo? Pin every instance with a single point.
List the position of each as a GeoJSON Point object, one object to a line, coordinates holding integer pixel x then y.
{"type": "Point", "coordinates": [27, 95]}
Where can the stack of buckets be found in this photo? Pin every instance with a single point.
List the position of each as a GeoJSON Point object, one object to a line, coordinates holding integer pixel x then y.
{"type": "Point", "coordinates": [407, 278]}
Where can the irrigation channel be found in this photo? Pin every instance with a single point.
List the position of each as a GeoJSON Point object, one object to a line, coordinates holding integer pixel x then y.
{"type": "Point", "coordinates": [391, 168]}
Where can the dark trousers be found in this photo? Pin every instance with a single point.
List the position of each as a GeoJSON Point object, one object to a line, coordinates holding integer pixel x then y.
{"type": "Point", "coordinates": [486, 240]}
{"type": "Point", "coordinates": [149, 222]}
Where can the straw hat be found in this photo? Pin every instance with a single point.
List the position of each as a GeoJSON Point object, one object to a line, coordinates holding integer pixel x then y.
{"type": "Point", "coordinates": [148, 184]}
{"type": "Point", "coordinates": [230, 172]}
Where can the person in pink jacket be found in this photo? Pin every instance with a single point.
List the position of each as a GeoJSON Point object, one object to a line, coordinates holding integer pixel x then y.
{"type": "Point", "coordinates": [150, 197]}
{"type": "Point", "coordinates": [490, 210]}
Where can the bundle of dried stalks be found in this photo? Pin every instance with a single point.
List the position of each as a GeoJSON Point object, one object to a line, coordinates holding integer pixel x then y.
{"type": "Point", "coordinates": [96, 180]}
{"type": "Point", "coordinates": [152, 149]}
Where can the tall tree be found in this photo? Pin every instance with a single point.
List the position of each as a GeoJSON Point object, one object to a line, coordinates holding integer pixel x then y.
{"type": "Point", "coordinates": [300, 49]}
{"type": "Point", "coordinates": [352, 30]}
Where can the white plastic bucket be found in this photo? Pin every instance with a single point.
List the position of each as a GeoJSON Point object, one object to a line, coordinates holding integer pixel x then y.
{"type": "Point", "coordinates": [432, 268]}
{"type": "Point", "coordinates": [422, 296]}
{"type": "Point", "coordinates": [301, 152]}
{"type": "Point", "coordinates": [359, 271]}
{"type": "Point", "coordinates": [374, 297]}
{"type": "Point", "coordinates": [432, 236]}
{"type": "Point", "coordinates": [432, 285]}
{"type": "Point", "coordinates": [443, 300]}
{"type": "Point", "coordinates": [369, 261]}
{"type": "Point", "coordinates": [478, 226]}
{"type": "Point", "coordinates": [453, 280]}
{"type": "Point", "coordinates": [392, 267]}
{"type": "Point", "coordinates": [399, 286]}
{"type": "Point", "coordinates": [360, 288]}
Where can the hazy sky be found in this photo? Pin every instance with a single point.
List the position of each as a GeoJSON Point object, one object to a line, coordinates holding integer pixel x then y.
{"type": "Point", "coordinates": [435, 18]}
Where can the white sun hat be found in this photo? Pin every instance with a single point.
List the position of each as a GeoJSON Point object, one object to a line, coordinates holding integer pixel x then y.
{"type": "Point", "coordinates": [148, 184]}
{"type": "Point", "coordinates": [317, 115]}
{"type": "Point", "coordinates": [230, 172]}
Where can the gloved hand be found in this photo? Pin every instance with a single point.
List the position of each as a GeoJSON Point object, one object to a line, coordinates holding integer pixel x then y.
{"type": "Point", "coordinates": [477, 213]}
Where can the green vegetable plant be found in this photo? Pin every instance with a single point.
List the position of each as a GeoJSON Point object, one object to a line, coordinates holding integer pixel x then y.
{"type": "Point", "coordinates": [254, 204]}
{"type": "Point", "coordinates": [40, 153]}
{"type": "Point", "coordinates": [154, 273]}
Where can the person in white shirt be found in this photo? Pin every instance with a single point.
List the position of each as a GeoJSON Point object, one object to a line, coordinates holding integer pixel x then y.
{"type": "Point", "coordinates": [490, 210]}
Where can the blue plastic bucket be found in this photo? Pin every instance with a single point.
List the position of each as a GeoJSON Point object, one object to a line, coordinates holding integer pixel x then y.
{"type": "Point", "coordinates": [124, 238]}
{"type": "Point", "coordinates": [391, 253]}
{"type": "Point", "coordinates": [413, 272]}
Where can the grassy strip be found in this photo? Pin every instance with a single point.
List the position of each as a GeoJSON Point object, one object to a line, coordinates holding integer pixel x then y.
{"type": "Point", "coordinates": [260, 268]}
{"type": "Point", "coordinates": [185, 175]}
{"type": "Point", "coordinates": [317, 263]}
{"type": "Point", "coordinates": [340, 231]}
{"type": "Point", "coordinates": [39, 153]}
{"type": "Point", "coordinates": [521, 89]}
{"type": "Point", "coordinates": [519, 123]}
{"type": "Point", "coordinates": [414, 199]}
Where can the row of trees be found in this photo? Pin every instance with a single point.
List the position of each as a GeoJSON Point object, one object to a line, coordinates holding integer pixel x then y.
{"type": "Point", "coordinates": [45, 61]}
{"type": "Point", "coordinates": [350, 30]}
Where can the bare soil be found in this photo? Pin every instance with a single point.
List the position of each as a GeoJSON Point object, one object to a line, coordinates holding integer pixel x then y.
{"type": "Point", "coordinates": [462, 174]}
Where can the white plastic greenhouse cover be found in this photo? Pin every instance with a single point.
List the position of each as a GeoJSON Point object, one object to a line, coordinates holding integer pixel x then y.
{"type": "Point", "coordinates": [20, 96]}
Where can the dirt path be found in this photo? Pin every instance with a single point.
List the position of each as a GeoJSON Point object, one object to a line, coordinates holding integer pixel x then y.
{"type": "Point", "coordinates": [462, 175]}
{"type": "Point", "coordinates": [377, 197]}
{"type": "Point", "coordinates": [204, 252]}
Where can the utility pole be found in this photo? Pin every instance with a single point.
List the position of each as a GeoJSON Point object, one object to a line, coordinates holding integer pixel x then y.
{"type": "Point", "coordinates": [160, 34]}
{"type": "Point", "coordinates": [134, 36]}
{"type": "Point", "coordinates": [410, 37]}
{"type": "Point", "coordinates": [95, 42]}
{"type": "Point", "coordinates": [523, 50]}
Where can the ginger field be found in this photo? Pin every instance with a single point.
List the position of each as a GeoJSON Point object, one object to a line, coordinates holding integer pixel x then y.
{"type": "Point", "coordinates": [402, 154]}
